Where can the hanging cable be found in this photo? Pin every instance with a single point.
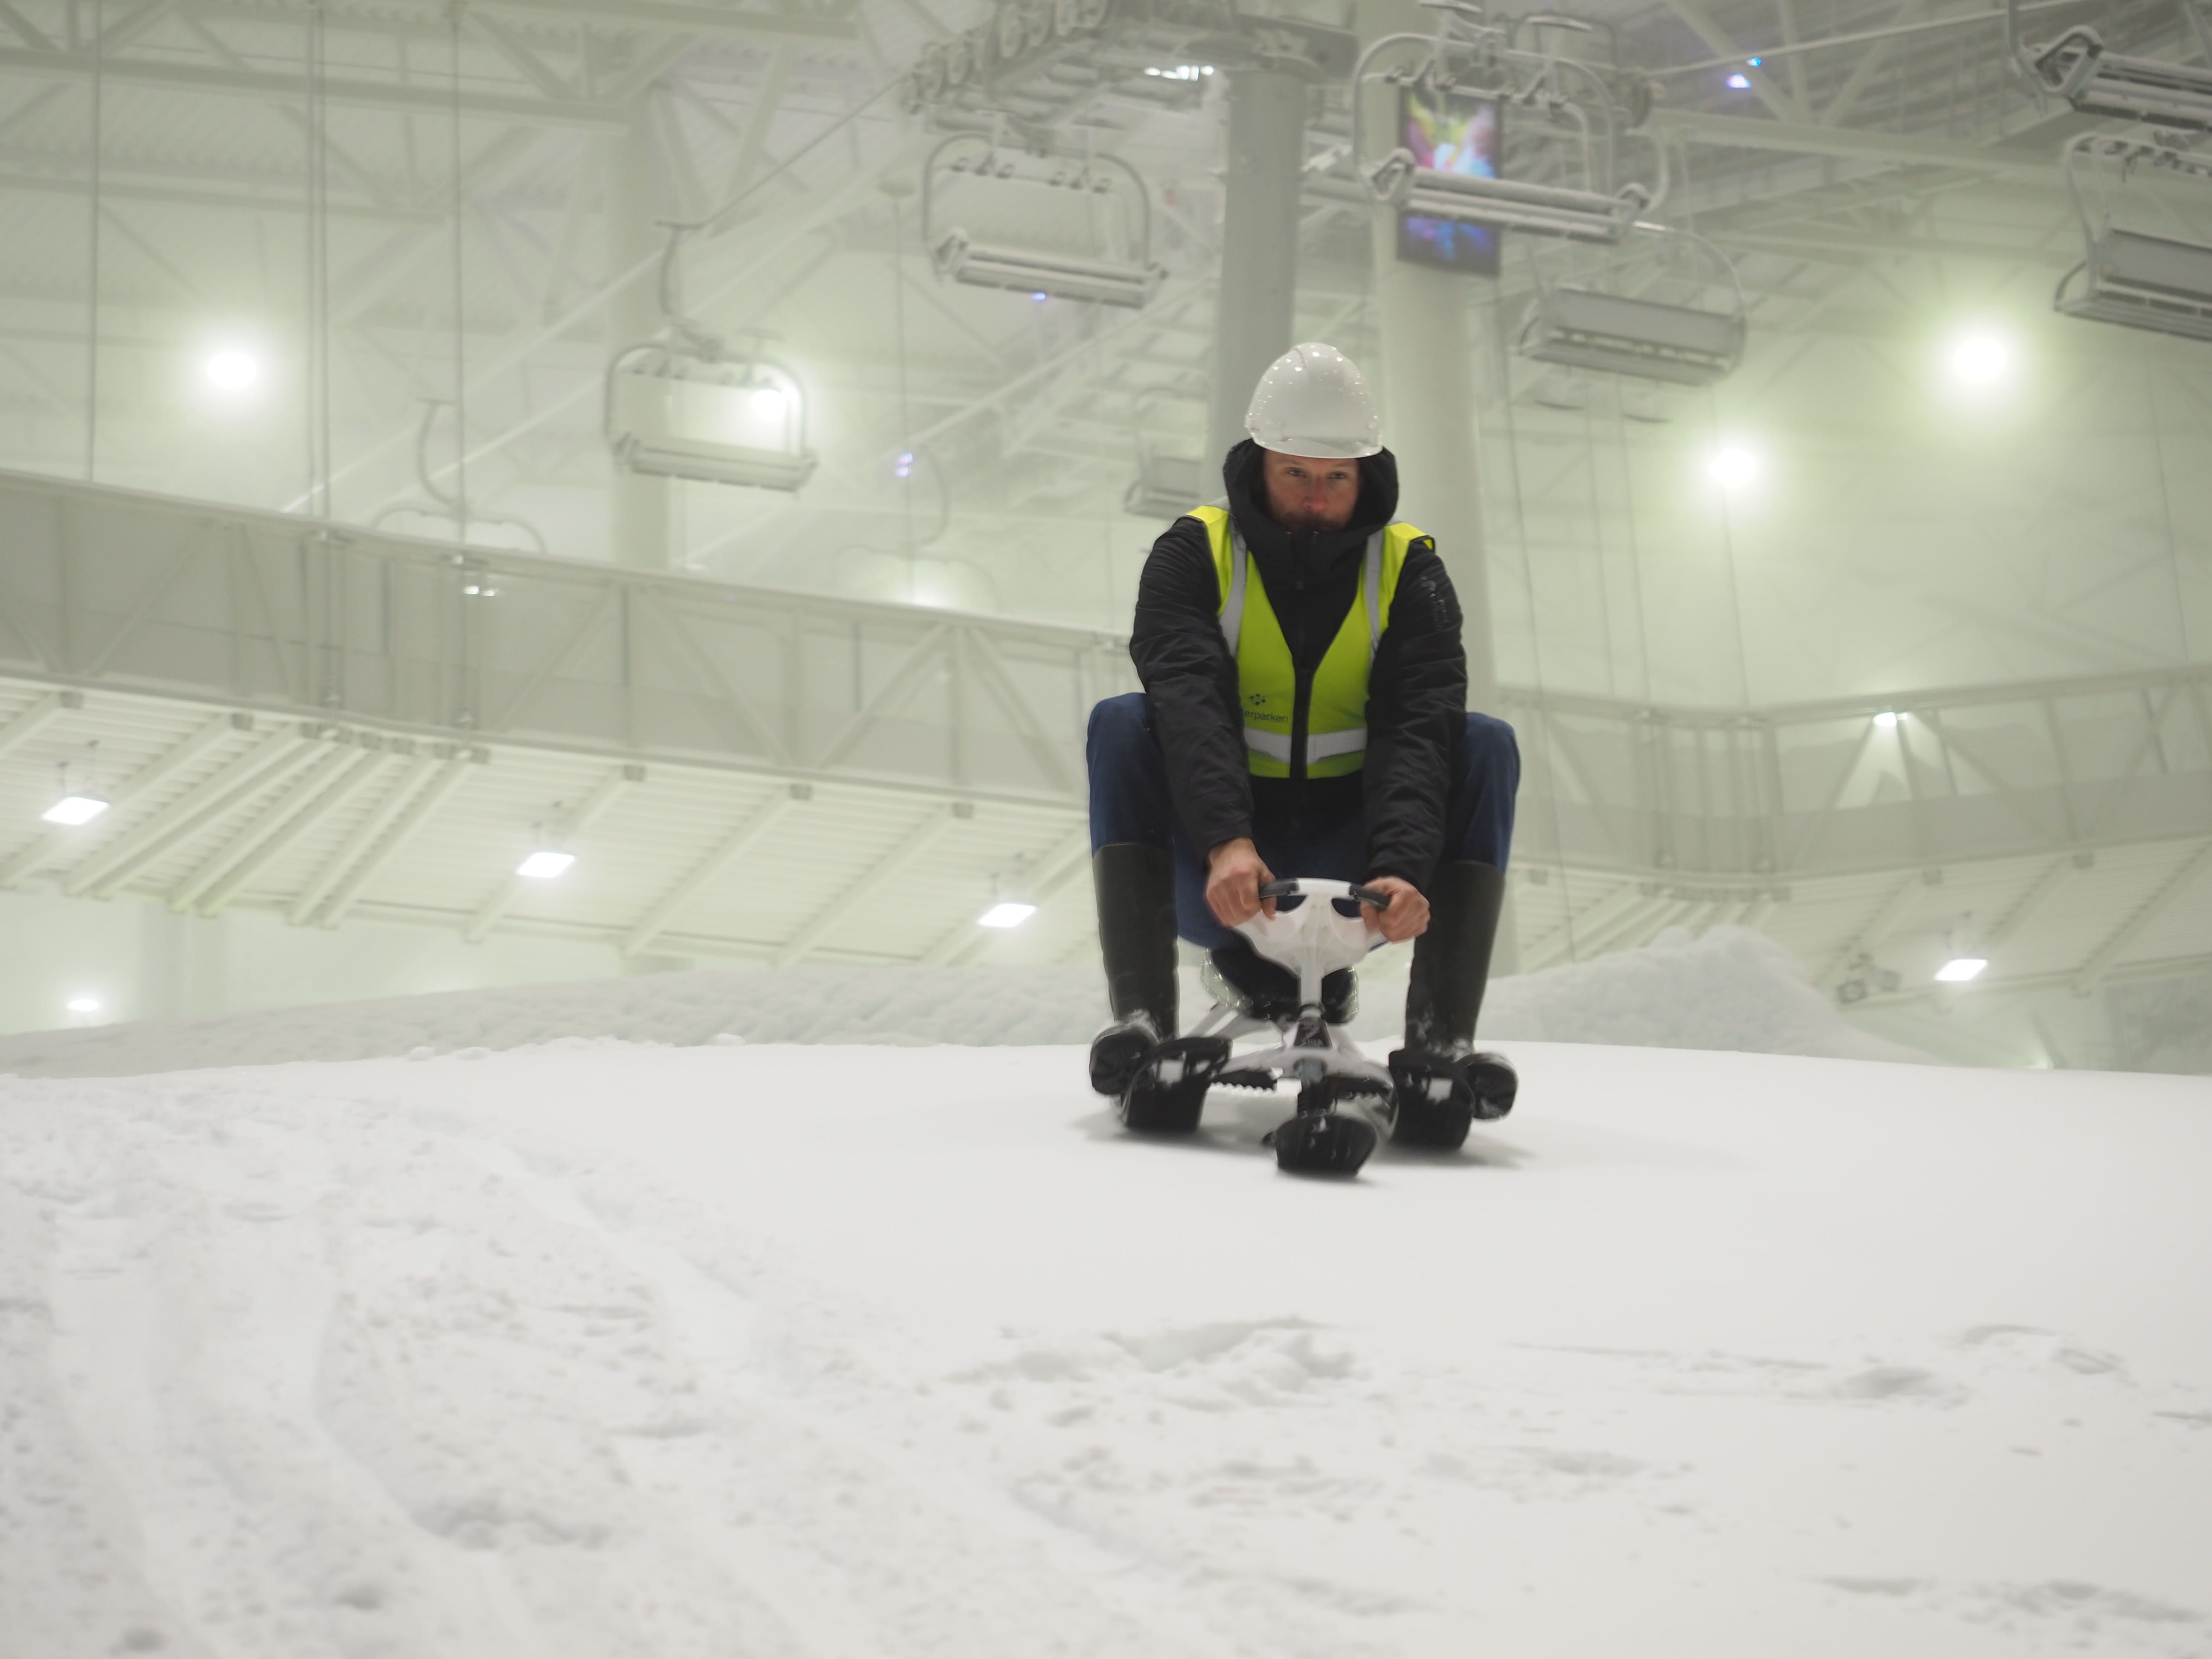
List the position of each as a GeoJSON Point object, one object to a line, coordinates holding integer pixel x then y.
{"type": "Point", "coordinates": [91, 283]}
{"type": "Point", "coordinates": [1535, 635]}
{"type": "Point", "coordinates": [460, 361]}
{"type": "Point", "coordinates": [2165, 503]}
{"type": "Point", "coordinates": [908, 459]}
{"type": "Point", "coordinates": [318, 280]}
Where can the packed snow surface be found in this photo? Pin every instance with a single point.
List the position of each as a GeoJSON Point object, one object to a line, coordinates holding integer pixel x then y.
{"type": "Point", "coordinates": [864, 1353]}
{"type": "Point", "coordinates": [1728, 988]}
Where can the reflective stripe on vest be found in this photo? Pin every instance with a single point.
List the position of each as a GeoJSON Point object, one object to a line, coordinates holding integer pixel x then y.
{"type": "Point", "coordinates": [1267, 677]}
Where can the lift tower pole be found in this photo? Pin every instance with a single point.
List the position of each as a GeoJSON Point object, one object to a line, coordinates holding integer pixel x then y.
{"type": "Point", "coordinates": [1259, 248]}
{"type": "Point", "coordinates": [1429, 415]}
{"type": "Point", "coordinates": [638, 517]}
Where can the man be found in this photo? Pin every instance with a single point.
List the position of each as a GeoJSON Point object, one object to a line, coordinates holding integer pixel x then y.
{"type": "Point", "coordinates": [1304, 713]}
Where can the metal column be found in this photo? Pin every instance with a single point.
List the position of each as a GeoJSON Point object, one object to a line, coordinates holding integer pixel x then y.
{"type": "Point", "coordinates": [638, 507]}
{"type": "Point", "coordinates": [1429, 416]}
{"type": "Point", "coordinates": [1259, 248]}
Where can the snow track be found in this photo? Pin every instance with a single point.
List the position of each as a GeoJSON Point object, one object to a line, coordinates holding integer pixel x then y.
{"type": "Point", "coordinates": [595, 1350]}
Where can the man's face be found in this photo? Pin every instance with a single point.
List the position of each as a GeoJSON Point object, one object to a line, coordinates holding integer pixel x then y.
{"type": "Point", "coordinates": [1305, 493]}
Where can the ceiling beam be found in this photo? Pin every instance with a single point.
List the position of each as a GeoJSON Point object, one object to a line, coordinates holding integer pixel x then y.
{"type": "Point", "coordinates": [1769, 92]}
{"type": "Point", "coordinates": [1804, 138]}
{"type": "Point", "coordinates": [290, 90]}
{"type": "Point", "coordinates": [674, 17]}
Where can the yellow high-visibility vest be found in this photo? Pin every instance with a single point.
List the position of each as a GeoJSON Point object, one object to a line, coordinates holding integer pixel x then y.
{"type": "Point", "coordinates": [1266, 676]}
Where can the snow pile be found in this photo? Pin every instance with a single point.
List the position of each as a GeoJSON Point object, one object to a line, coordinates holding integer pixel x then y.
{"type": "Point", "coordinates": [796, 1352]}
{"type": "Point", "coordinates": [1730, 988]}
{"type": "Point", "coordinates": [804, 1004]}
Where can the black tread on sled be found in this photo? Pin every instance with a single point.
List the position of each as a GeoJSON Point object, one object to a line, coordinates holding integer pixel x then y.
{"type": "Point", "coordinates": [1167, 1091]}
{"type": "Point", "coordinates": [1441, 1096]}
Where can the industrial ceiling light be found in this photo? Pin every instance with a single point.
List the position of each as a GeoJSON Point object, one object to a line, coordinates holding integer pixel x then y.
{"type": "Point", "coordinates": [1733, 467]}
{"type": "Point", "coordinates": [232, 369]}
{"type": "Point", "coordinates": [83, 1005]}
{"type": "Point", "coordinates": [1886, 719]}
{"type": "Point", "coordinates": [1959, 970]}
{"type": "Point", "coordinates": [545, 864]}
{"type": "Point", "coordinates": [1981, 359]}
{"type": "Point", "coordinates": [1738, 82]}
{"type": "Point", "coordinates": [1007, 913]}
{"type": "Point", "coordinates": [73, 810]}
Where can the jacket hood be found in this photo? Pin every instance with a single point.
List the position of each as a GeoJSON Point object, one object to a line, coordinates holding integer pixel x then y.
{"type": "Point", "coordinates": [1316, 548]}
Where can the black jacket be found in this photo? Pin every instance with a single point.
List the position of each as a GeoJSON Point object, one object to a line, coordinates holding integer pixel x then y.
{"type": "Point", "coordinates": [1416, 693]}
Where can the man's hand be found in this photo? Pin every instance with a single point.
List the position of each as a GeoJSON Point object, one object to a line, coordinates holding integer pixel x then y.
{"type": "Point", "coordinates": [1233, 874]}
{"type": "Point", "coordinates": [1407, 916]}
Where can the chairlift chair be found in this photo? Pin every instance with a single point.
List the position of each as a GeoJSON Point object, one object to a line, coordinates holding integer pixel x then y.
{"type": "Point", "coordinates": [685, 405]}
{"type": "Point", "coordinates": [2160, 283]}
{"type": "Point", "coordinates": [1100, 275]}
{"type": "Point", "coordinates": [1166, 487]}
{"type": "Point", "coordinates": [446, 504]}
{"type": "Point", "coordinates": [1580, 327]}
{"type": "Point", "coordinates": [1481, 60]}
{"type": "Point", "coordinates": [2077, 68]}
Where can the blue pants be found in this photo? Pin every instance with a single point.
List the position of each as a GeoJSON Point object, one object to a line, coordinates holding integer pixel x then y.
{"type": "Point", "coordinates": [1129, 803]}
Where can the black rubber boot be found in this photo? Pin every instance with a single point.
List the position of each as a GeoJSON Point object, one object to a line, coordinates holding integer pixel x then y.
{"type": "Point", "coordinates": [1135, 884]}
{"type": "Point", "coordinates": [1442, 1084]}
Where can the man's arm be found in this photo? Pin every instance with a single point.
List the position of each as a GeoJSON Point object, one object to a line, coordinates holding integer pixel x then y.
{"type": "Point", "coordinates": [1416, 712]}
{"type": "Point", "coordinates": [1191, 679]}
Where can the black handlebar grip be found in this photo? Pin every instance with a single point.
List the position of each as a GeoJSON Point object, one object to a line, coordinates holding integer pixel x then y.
{"type": "Point", "coordinates": [1372, 895]}
{"type": "Point", "coordinates": [1279, 889]}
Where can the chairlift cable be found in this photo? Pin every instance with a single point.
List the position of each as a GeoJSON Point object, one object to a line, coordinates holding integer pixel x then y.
{"type": "Point", "coordinates": [460, 319]}
{"type": "Point", "coordinates": [92, 284]}
{"type": "Point", "coordinates": [1860, 38]}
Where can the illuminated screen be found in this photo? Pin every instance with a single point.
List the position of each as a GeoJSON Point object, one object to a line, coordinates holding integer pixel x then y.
{"type": "Point", "coordinates": [1449, 132]}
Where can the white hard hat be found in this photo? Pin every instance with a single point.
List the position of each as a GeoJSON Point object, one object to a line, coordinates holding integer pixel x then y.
{"type": "Point", "coordinates": [1312, 401]}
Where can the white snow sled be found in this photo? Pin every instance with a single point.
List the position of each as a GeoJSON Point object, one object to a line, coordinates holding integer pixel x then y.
{"type": "Point", "coordinates": [1317, 929]}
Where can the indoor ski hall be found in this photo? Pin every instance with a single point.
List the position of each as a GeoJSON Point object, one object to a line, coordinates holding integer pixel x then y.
{"type": "Point", "coordinates": [1141, 828]}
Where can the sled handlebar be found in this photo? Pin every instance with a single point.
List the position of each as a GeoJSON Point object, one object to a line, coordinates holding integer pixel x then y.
{"type": "Point", "coordinates": [1290, 888]}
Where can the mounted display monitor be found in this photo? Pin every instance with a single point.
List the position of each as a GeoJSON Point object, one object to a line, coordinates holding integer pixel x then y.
{"type": "Point", "coordinates": [1449, 132]}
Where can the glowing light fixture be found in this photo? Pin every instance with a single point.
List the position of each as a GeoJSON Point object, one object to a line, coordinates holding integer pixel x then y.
{"type": "Point", "coordinates": [1733, 467]}
{"type": "Point", "coordinates": [1885, 719]}
{"type": "Point", "coordinates": [1754, 62]}
{"type": "Point", "coordinates": [1007, 913]}
{"type": "Point", "coordinates": [1738, 82]}
{"type": "Point", "coordinates": [73, 810]}
{"type": "Point", "coordinates": [903, 467]}
{"type": "Point", "coordinates": [1959, 970]}
{"type": "Point", "coordinates": [231, 369]}
{"type": "Point", "coordinates": [545, 864]}
{"type": "Point", "coordinates": [771, 403]}
{"type": "Point", "coordinates": [84, 1004]}
{"type": "Point", "coordinates": [1980, 359]}
{"type": "Point", "coordinates": [1039, 296]}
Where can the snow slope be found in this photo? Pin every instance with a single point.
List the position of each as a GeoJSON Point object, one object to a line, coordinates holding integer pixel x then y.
{"type": "Point", "coordinates": [593, 1350]}
{"type": "Point", "coordinates": [1728, 988]}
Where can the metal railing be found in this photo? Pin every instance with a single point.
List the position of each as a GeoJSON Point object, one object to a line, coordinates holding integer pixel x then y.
{"type": "Point", "coordinates": [259, 611]}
